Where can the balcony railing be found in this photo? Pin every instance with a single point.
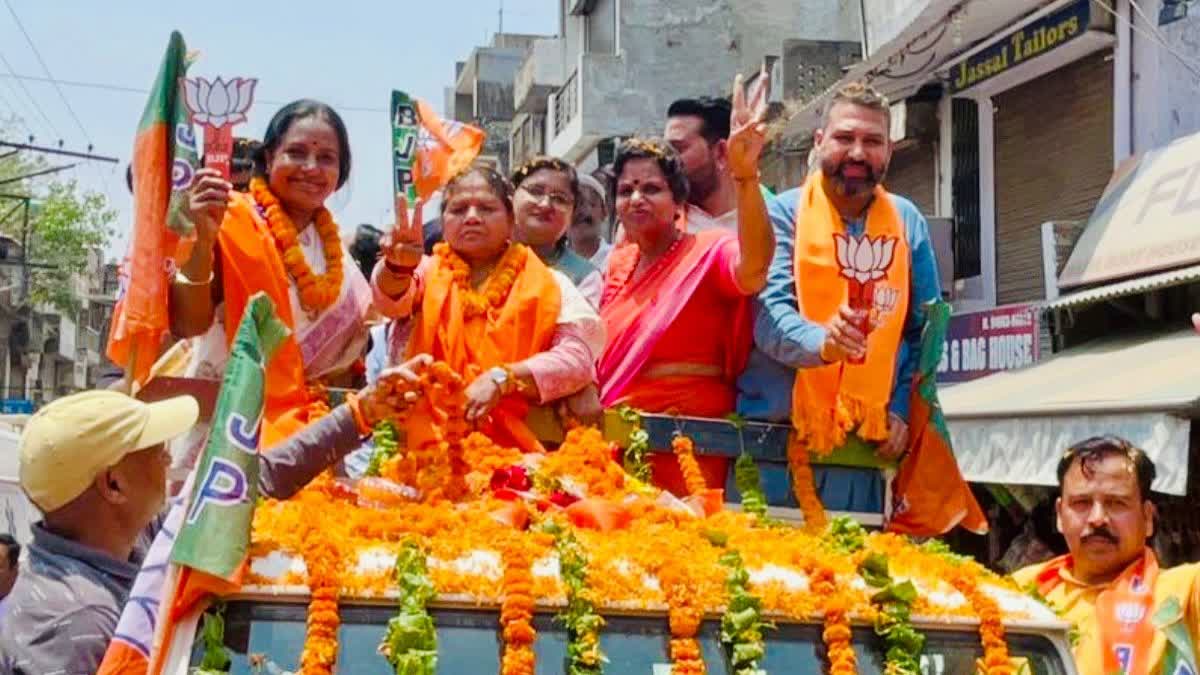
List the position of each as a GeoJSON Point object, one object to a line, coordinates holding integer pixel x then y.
{"type": "Point", "coordinates": [567, 103]}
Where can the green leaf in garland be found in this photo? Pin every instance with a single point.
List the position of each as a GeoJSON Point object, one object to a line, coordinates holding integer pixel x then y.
{"type": "Point", "coordinates": [747, 480]}
{"type": "Point", "coordinates": [742, 625]}
{"type": "Point", "coordinates": [634, 462]}
{"type": "Point", "coordinates": [410, 643]}
{"type": "Point", "coordinates": [215, 659]}
{"type": "Point", "coordinates": [583, 624]}
{"type": "Point", "coordinates": [903, 644]}
{"type": "Point", "coordinates": [387, 444]}
{"type": "Point", "coordinates": [846, 535]}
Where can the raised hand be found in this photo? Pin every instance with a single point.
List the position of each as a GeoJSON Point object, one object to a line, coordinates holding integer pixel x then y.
{"type": "Point", "coordinates": [208, 197]}
{"type": "Point", "coordinates": [402, 247]}
{"type": "Point", "coordinates": [747, 124]}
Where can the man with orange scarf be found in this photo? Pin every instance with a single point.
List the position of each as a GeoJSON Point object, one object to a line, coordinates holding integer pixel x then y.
{"type": "Point", "coordinates": [842, 315]}
{"type": "Point", "coordinates": [1132, 618]}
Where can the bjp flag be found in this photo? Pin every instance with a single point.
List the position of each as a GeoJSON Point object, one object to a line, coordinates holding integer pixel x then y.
{"type": "Point", "coordinates": [444, 148]}
{"type": "Point", "coordinates": [202, 546]}
{"type": "Point", "coordinates": [164, 160]}
{"type": "Point", "coordinates": [930, 495]}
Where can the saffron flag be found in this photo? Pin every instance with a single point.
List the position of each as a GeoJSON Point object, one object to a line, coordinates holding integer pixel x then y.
{"type": "Point", "coordinates": [444, 148]}
{"type": "Point", "coordinates": [930, 495]}
{"type": "Point", "coordinates": [164, 161]}
{"type": "Point", "coordinates": [201, 548]}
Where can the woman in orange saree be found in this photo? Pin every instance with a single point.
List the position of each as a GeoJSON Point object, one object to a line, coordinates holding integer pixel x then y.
{"type": "Point", "coordinates": [675, 304]}
{"type": "Point", "coordinates": [517, 330]}
{"type": "Point", "coordinates": [279, 239]}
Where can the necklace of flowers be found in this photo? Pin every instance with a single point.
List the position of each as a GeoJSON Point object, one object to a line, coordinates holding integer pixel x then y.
{"type": "Point", "coordinates": [498, 285]}
{"type": "Point", "coordinates": [516, 610]}
{"type": "Point", "coordinates": [837, 634]}
{"type": "Point", "coordinates": [317, 292]}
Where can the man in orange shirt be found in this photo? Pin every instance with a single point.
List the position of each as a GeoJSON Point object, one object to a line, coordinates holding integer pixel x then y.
{"type": "Point", "coordinates": [1132, 617]}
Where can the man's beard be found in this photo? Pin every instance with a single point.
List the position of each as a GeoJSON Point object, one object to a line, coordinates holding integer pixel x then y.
{"type": "Point", "coordinates": [853, 187]}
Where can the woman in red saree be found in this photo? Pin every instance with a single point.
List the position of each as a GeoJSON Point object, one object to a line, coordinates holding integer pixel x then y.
{"type": "Point", "coordinates": [675, 304]}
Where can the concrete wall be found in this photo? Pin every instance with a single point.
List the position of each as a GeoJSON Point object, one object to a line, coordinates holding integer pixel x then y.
{"type": "Point", "coordinates": [602, 27]}
{"type": "Point", "coordinates": [1166, 94]}
{"type": "Point", "coordinates": [886, 19]}
{"type": "Point", "coordinates": [676, 48]}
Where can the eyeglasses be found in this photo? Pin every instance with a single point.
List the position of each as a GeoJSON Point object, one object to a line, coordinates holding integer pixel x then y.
{"type": "Point", "coordinates": [559, 200]}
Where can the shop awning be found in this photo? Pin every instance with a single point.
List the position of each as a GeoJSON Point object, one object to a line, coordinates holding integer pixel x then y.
{"type": "Point", "coordinates": [1012, 427]}
{"type": "Point", "coordinates": [1146, 219]}
{"type": "Point", "coordinates": [1122, 289]}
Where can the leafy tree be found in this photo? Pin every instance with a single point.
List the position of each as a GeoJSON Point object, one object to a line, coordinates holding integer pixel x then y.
{"type": "Point", "coordinates": [66, 223]}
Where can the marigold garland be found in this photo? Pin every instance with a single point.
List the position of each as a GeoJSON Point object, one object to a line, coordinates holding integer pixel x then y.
{"type": "Point", "coordinates": [317, 292]}
{"type": "Point", "coordinates": [498, 285]}
{"type": "Point", "coordinates": [684, 615]}
{"type": "Point", "coordinates": [995, 659]}
{"type": "Point", "coordinates": [516, 610]}
{"type": "Point", "coordinates": [322, 558]}
{"type": "Point", "coordinates": [685, 454]}
{"type": "Point", "coordinates": [804, 486]}
{"type": "Point", "coordinates": [838, 635]}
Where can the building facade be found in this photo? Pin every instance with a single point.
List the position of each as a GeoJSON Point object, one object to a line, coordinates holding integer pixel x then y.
{"type": "Point", "coordinates": [616, 65]}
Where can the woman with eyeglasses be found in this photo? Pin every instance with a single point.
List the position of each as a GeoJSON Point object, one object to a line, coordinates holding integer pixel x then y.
{"type": "Point", "coordinates": [544, 201]}
{"type": "Point", "coordinates": [519, 331]}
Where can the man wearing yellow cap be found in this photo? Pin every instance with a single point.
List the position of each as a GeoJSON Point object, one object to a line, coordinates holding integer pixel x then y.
{"type": "Point", "coordinates": [95, 464]}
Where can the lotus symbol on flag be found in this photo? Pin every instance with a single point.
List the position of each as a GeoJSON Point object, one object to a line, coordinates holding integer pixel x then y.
{"type": "Point", "coordinates": [864, 259]}
{"type": "Point", "coordinates": [218, 103]}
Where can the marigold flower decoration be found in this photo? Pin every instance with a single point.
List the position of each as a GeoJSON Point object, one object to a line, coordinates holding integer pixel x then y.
{"type": "Point", "coordinates": [516, 610]}
{"type": "Point", "coordinates": [498, 285]}
{"type": "Point", "coordinates": [838, 635]}
{"type": "Point", "coordinates": [324, 561]}
{"type": "Point", "coordinates": [685, 454]}
{"type": "Point", "coordinates": [684, 614]}
{"type": "Point", "coordinates": [317, 292]}
{"type": "Point", "coordinates": [804, 487]}
{"type": "Point", "coordinates": [995, 659]}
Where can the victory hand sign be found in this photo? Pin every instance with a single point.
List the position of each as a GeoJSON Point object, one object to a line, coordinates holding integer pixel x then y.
{"type": "Point", "coordinates": [747, 124]}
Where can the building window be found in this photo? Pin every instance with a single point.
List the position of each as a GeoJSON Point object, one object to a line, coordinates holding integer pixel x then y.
{"type": "Point", "coordinates": [965, 188]}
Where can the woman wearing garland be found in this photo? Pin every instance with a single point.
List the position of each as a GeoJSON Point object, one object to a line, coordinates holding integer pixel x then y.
{"type": "Point", "coordinates": [675, 304]}
{"type": "Point", "coordinates": [279, 239]}
{"type": "Point", "coordinates": [545, 196]}
{"type": "Point", "coordinates": [517, 330]}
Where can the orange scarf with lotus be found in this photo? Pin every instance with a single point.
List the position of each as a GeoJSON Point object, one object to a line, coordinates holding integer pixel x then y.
{"type": "Point", "coordinates": [868, 272]}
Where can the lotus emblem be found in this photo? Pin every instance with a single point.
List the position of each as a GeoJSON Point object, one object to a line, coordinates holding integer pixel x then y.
{"type": "Point", "coordinates": [218, 103]}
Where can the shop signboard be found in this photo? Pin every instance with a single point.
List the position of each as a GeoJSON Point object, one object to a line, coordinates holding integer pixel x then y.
{"type": "Point", "coordinates": [991, 341]}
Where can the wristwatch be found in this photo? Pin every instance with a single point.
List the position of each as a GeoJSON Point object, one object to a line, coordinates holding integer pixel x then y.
{"type": "Point", "coordinates": [500, 376]}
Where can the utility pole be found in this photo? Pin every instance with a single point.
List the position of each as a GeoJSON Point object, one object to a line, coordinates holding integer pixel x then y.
{"type": "Point", "coordinates": [501, 33]}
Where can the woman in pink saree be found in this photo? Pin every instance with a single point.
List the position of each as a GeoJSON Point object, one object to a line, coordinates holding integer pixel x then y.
{"type": "Point", "coordinates": [676, 305]}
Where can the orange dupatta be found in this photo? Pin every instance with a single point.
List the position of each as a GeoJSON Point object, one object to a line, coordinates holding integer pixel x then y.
{"type": "Point", "coordinates": [830, 401]}
{"type": "Point", "coordinates": [250, 263]}
{"type": "Point", "coordinates": [515, 330]}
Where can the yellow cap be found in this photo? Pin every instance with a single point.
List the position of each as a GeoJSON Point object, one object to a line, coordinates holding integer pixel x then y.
{"type": "Point", "coordinates": [71, 440]}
